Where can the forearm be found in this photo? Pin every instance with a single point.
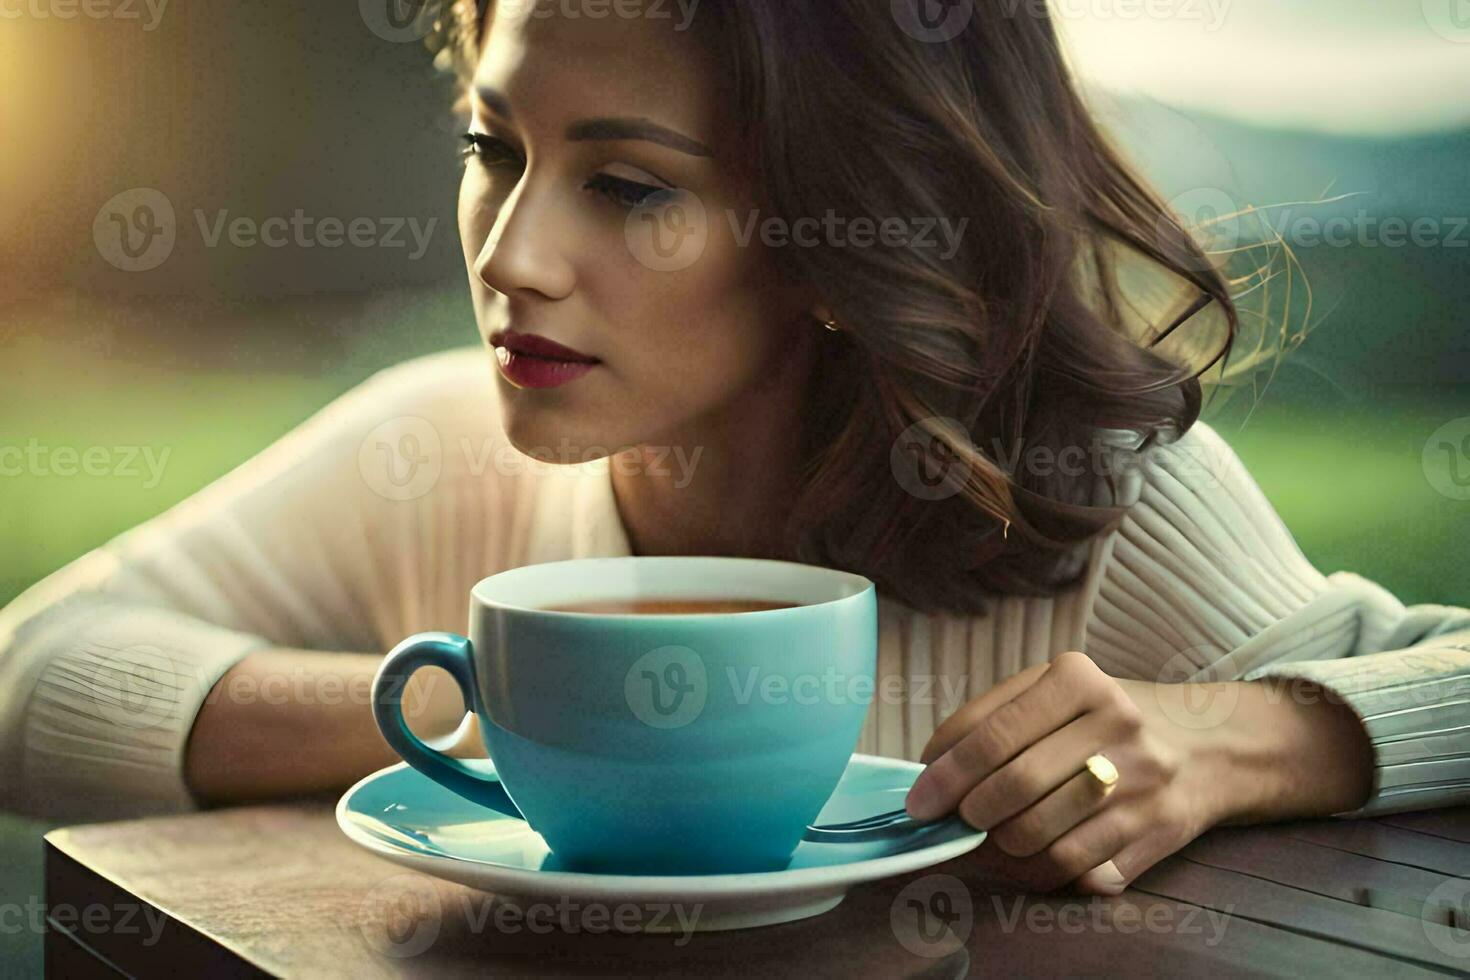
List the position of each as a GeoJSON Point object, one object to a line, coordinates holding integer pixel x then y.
{"type": "Point", "coordinates": [284, 722]}
{"type": "Point", "coordinates": [1285, 750]}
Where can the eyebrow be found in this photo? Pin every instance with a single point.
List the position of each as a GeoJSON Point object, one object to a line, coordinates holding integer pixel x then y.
{"type": "Point", "coordinates": [607, 128]}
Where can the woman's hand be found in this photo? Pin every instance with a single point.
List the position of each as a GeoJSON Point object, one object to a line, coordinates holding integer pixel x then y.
{"type": "Point", "coordinates": [1013, 762]}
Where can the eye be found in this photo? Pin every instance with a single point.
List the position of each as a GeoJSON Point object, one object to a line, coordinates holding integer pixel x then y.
{"type": "Point", "coordinates": [492, 151]}
{"type": "Point", "coordinates": [489, 150]}
{"type": "Point", "coordinates": [626, 193]}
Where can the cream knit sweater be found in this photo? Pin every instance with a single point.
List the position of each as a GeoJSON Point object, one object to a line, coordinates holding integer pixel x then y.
{"type": "Point", "coordinates": [372, 520]}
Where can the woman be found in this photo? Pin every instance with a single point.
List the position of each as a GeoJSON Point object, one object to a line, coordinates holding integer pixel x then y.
{"type": "Point", "coordinates": [831, 282]}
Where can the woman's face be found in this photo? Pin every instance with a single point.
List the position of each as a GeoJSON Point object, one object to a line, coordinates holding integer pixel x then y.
{"type": "Point", "coordinates": [684, 319]}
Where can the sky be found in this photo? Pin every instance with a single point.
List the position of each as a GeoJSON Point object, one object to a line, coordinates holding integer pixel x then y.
{"type": "Point", "coordinates": [1349, 66]}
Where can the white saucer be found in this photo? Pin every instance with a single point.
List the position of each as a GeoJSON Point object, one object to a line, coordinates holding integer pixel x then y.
{"type": "Point", "coordinates": [409, 819]}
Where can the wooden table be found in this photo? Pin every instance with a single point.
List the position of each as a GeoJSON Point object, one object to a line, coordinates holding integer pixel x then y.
{"type": "Point", "coordinates": [278, 890]}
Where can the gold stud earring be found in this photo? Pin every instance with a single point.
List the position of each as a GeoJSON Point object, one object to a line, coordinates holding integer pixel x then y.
{"type": "Point", "coordinates": [831, 325]}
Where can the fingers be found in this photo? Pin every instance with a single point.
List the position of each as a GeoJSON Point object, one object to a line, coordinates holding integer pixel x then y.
{"type": "Point", "coordinates": [1105, 879]}
{"type": "Point", "coordinates": [956, 725]}
{"type": "Point", "coordinates": [1080, 850]}
{"type": "Point", "coordinates": [1071, 686]}
{"type": "Point", "coordinates": [1026, 780]}
{"type": "Point", "coordinates": [1030, 831]}
{"type": "Point", "coordinates": [1130, 862]}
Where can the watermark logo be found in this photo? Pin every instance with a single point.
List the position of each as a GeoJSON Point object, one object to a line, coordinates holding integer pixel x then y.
{"type": "Point", "coordinates": [135, 230]}
{"type": "Point", "coordinates": [305, 231]}
{"type": "Point", "coordinates": [40, 460]}
{"type": "Point", "coordinates": [1445, 917]}
{"type": "Point", "coordinates": [136, 688]}
{"type": "Point", "coordinates": [1360, 228]}
{"type": "Point", "coordinates": [1212, 216]}
{"type": "Point", "coordinates": [667, 687]}
{"type": "Point", "coordinates": [401, 916]}
{"type": "Point", "coordinates": [933, 21]}
{"type": "Point", "coordinates": [925, 464]}
{"type": "Point", "coordinates": [90, 9]}
{"type": "Point", "coordinates": [933, 916]}
{"type": "Point", "coordinates": [1211, 14]}
{"type": "Point", "coordinates": [1101, 915]}
{"type": "Point", "coordinates": [668, 232]}
{"type": "Point", "coordinates": [1194, 705]}
{"type": "Point", "coordinates": [133, 919]}
{"type": "Point", "coordinates": [401, 459]}
{"type": "Point", "coordinates": [1446, 459]}
{"type": "Point", "coordinates": [1450, 19]}
{"type": "Point", "coordinates": [396, 20]}
{"type": "Point", "coordinates": [938, 234]}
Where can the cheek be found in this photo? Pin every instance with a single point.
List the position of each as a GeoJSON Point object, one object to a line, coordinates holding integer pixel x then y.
{"type": "Point", "coordinates": [707, 327]}
{"type": "Point", "coordinates": [476, 215]}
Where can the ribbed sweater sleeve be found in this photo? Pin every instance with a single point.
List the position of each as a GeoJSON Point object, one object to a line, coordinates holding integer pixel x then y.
{"type": "Point", "coordinates": [1205, 582]}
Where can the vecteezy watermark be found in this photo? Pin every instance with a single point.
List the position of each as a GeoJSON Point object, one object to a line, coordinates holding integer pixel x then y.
{"type": "Point", "coordinates": [93, 918]}
{"type": "Point", "coordinates": [1212, 14]}
{"type": "Point", "coordinates": [834, 687]}
{"type": "Point", "coordinates": [668, 231]}
{"type": "Point", "coordinates": [401, 459]}
{"type": "Point", "coordinates": [136, 230]}
{"type": "Point", "coordinates": [398, 20]}
{"type": "Point", "coordinates": [403, 916]}
{"type": "Point", "coordinates": [932, 21]}
{"type": "Point", "coordinates": [932, 916]}
{"type": "Point", "coordinates": [1190, 703]}
{"type": "Point", "coordinates": [1190, 690]}
{"type": "Point", "coordinates": [938, 21]}
{"type": "Point", "coordinates": [835, 231]}
{"type": "Point", "coordinates": [411, 20]}
{"type": "Point", "coordinates": [1221, 224]}
{"type": "Point", "coordinates": [135, 686]}
{"type": "Point", "coordinates": [667, 687]}
{"type": "Point", "coordinates": [1196, 688]}
{"type": "Point", "coordinates": [670, 686]}
{"type": "Point", "coordinates": [1450, 19]}
{"type": "Point", "coordinates": [924, 459]}
{"type": "Point", "coordinates": [37, 459]}
{"type": "Point", "coordinates": [1364, 229]}
{"type": "Point", "coordinates": [602, 10]}
{"type": "Point", "coordinates": [670, 461]}
{"type": "Point", "coordinates": [1212, 216]}
{"type": "Point", "coordinates": [139, 686]}
{"type": "Point", "coordinates": [404, 458]}
{"type": "Point", "coordinates": [1446, 459]}
{"type": "Point", "coordinates": [90, 9]}
{"type": "Point", "coordinates": [1104, 915]}
{"type": "Point", "coordinates": [306, 231]}
{"type": "Point", "coordinates": [1445, 917]}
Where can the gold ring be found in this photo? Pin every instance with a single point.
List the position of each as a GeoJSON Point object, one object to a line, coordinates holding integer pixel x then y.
{"type": "Point", "coordinates": [1101, 768]}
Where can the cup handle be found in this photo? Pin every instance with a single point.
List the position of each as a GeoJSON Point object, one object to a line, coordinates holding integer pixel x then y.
{"type": "Point", "coordinates": [455, 654]}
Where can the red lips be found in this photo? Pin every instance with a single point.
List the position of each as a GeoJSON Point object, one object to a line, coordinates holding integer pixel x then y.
{"type": "Point", "coordinates": [531, 345]}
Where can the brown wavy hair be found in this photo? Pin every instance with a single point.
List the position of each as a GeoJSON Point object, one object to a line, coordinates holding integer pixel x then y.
{"type": "Point", "coordinates": [1076, 303]}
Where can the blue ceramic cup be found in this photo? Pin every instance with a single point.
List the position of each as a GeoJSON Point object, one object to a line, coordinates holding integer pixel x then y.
{"type": "Point", "coordinates": [654, 743]}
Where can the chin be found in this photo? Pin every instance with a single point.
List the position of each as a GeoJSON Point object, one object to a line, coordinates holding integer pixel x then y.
{"type": "Point", "coordinates": [550, 435]}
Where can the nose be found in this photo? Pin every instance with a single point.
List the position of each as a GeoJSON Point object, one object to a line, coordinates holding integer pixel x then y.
{"type": "Point", "coordinates": [524, 247]}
